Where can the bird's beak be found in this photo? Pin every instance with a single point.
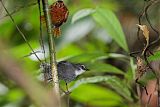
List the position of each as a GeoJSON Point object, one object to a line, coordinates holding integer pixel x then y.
{"type": "Point", "coordinates": [87, 69]}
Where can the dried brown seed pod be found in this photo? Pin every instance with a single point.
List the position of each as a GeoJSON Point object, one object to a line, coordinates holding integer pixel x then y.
{"type": "Point", "coordinates": [59, 14]}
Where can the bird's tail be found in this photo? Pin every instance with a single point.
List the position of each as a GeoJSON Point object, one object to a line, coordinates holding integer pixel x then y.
{"type": "Point", "coordinates": [57, 32]}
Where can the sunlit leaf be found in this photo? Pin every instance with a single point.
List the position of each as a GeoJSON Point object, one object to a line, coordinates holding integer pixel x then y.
{"type": "Point", "coordinates": [118, 85]}
{"type": "Point", "coordinates": [20, 52]}
{"type": "Point", "coordinates": [88, 57]}
{"type": "Point", "coordinates": [81, 14]}
{"type": "Point", "coordinates": [130, 74]}
{"type": "Point", "coordinates": [94, 56]}
{"type": "Point", "coordinates": [155, 57]}
{"type": "Point", "coordinates": [103, 67]}
{"type": "Point", "coordinates": [71, 50]}
{"type": "Point", "coordinates": [75, 32]}
{"type": "Point", "coordinates": [108, 20]}
{"type": "Point", "coordinates": [96, 95]}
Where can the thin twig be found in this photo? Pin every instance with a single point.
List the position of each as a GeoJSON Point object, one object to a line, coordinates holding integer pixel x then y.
{"type": "Point", "coordinates": [21, 33]}
{"type": "Point", "coordinates": [18, 9]}
{"type": "Point", "coordinates": [146, 48]}
{"type": "Point", "coordinates": [52, 50]}
{"type": "Point", "coordinates": [32, 54]}
{"type": "Point", "coordinates": [40, 28]}
{"type": "Point", "coordinates": [151, 44]}
{"type": "Point", "coordinates": [41, 40]}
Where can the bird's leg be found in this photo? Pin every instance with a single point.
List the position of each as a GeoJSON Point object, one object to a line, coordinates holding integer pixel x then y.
{"type": "Point", "coordinates": [68, 96]}
{"type": "Point", "coordinates": [66, 86]}
{"type": "Point", "coordinates": [67, 92]}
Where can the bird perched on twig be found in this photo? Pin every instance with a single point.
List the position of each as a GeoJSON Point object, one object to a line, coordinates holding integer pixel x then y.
{"type": "Point", "coordinates": [67, 71]}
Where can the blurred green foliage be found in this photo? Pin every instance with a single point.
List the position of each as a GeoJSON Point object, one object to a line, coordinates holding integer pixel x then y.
{"type": "Point", "coordinates": [93, 35]}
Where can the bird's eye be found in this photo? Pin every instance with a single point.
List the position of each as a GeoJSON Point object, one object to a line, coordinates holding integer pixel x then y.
{"type": "Point", "coordinates": [83, 67]}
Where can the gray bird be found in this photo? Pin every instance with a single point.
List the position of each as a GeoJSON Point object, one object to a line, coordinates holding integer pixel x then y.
{"type": "Point", "coordinates": [67, 71]}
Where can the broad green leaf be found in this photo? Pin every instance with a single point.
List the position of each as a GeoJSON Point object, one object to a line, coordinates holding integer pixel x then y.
{"type": "Point", "coordinates": [88, 57]}
{"type": "Point", "coordinates": [108, 20]}
{"type": "Point", "coordinates": [115, 55]}
{"type": "Point", "coordinates": [118, 85]}
{"type": "Point", "coordinates": [102, 67]}
{"type": "Point", "coordinates": [155, 57]}
{"type": "Point", "coordinates": [96, 95]}
{"type": "Point", "coordinates": [94, 56]}
{"type": "Point", "coordinates": [71, 50]}
{"type": "Point", "coordinates": [81, 14]}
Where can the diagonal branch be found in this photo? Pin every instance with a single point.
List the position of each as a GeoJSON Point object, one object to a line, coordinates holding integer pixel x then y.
{"type": "Point", "coordinates": [18, 9]}
{"type": "Point", "coordinates": [21, 33]}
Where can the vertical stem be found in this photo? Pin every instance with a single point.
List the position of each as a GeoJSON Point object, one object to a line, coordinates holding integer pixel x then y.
{"type": "Point", "coordinates": [158, 90]}
{"type": "Point", "coordinates": [51, 50]}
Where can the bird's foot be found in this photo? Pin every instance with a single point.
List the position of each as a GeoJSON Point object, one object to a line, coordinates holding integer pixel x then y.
{"type": "Point", "coordinates": [67, 92]}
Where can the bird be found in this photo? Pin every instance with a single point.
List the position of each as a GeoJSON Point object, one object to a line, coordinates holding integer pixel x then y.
{"type": "Point", "coordinates": [59, 15]}
{"type": "Point", "coordinates": [67, 71]}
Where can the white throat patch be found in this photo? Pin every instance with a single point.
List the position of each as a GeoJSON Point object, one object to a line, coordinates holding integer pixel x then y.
{"type": "Point", "coordinates": [79, 72]}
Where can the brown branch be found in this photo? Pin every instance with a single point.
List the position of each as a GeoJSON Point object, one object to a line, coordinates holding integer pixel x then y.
{"type": "Point", "coordinates": [52, 50]}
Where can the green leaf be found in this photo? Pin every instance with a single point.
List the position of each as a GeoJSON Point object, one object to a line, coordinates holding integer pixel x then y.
{"type": "Point", "coordinates": [118, 85]}
{"type": "Point", "coordinates": [15, 95]}
{"type": "Point", "coordinates": [81, 14]}
{"type": "Point", "coordinates": [130, 75]}
{"type": "Point", "coordinates": [94, 56]}
{"type": "Point", "coordinates": [115, 55]}
{"type": "Point", "coordinates": [88, 57]}
{"type": "Point", "coordinates": [71, 50]}
{"type": "Point", "coordinates": [155, 57]}
{"type": "Point", "coordinates": [96, 95]}
{"type": "Point", "coordinates": [108, 20]}
{"type": "Point", "coordinates": [102, 67]}
{"type": "Point", "coordinates": [19, 50]}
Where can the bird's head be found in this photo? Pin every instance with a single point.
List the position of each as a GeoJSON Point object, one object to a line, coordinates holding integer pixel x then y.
{"type": "Point", "coordinates": [80, 68]}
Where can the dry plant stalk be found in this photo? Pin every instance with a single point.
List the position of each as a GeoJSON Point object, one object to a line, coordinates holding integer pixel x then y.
{"type": "Point", "coordinates": [145, 31]}
{"type": "Point", "coordinates": [141, 68]}
{"type": "Point", "coordinates": [53, 63]}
